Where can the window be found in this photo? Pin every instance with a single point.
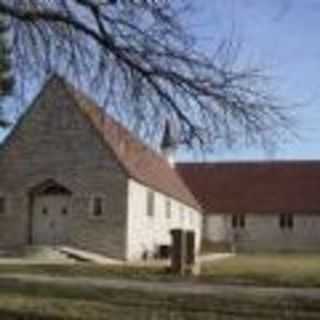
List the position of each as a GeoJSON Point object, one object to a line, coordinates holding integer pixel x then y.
{"type": "Point", "coordinates": [238, 221]}
{"type": "Point", "coordinates": [181, 214]}
{"type": "Point", "coordinates": [242, 221]}
{"type": "Point", "coordinates": [97, 207]}
{"type": "Point", "coordinates": [191, 218]}
{"type": "Point", "coordinates": [286, 221]}
{"type": "Point", "coordinates": [150, 203]}
{"type": "Point", "coordinates": [168, 208]}
{"type": "Point", "coordinates": [282, 221]}
{"type": "Point", "coordinates": [2, 205]}
{"type": "Point", "coordinates": [290, 221]}
{"type": "Point", "coordinates": [234, 221]}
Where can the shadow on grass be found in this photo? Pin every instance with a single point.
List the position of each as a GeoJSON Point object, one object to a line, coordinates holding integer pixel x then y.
{"type": "Point", "coordinates": [39, 301]}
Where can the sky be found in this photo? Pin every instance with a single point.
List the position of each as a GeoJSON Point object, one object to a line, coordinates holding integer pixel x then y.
{"type": "Point", "coordinates": [282, 37]}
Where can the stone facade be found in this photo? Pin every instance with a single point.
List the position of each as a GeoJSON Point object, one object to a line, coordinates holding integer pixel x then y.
{"type": "Point", "coordinates": [55, 142]}
{"type": "Point", "coordinates": [262, 232]}
{"type": "Point", "coordinates": [145, 231]}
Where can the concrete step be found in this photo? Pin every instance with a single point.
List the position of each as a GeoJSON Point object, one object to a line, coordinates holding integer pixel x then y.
{"type": "Point", "coordinates": [87, 256]}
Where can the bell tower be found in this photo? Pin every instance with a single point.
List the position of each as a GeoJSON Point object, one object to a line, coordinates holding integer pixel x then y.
{"type": "Point", "coordinates": [169, 142]}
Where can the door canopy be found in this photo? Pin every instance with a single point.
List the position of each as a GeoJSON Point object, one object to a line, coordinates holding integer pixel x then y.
{"type": "Point", "coordinates": [50, 187]}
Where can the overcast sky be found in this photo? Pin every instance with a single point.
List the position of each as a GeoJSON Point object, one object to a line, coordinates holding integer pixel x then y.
{"type": "Point", "coordinates": [283, 37]}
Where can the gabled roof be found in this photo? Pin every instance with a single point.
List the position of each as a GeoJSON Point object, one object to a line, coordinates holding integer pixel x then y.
{"type": "Point", "coordinates": [139, 162]}
{"type": "Point", "coordinates": [256, 187]}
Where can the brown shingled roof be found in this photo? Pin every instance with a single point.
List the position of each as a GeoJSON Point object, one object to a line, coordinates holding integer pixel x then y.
{"type": "Point", "coordinates": [140, 162]}
{"type": "Point", "coordinates": [259, 187]}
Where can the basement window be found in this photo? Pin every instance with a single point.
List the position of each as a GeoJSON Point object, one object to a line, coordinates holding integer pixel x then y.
{"type": "Point", "coordinates": [286, 221]}
{"type": "Point", "coordinates": [238, 221]}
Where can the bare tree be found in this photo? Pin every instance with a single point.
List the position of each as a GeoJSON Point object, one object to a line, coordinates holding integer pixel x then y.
{"type": "Point", "coordinates": [6, 77]}
{"type": "Point", "coordinates": [140, 59]}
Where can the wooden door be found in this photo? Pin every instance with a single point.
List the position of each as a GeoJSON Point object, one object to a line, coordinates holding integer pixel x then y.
{"type": "Point", "coordinates": [51, 219]}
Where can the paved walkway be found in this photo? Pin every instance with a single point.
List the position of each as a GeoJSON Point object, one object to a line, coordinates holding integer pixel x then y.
{"type": "Point", "coordinates": [179, 287]}
{"type": "Point", "coordinates": [82, 255]}
{"type": "Point", "coordinates": [33, 262]}
{"type": "Point", "coordinates": [34, 255]}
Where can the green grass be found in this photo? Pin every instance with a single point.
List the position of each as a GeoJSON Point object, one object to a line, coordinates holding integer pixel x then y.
{"type": "Point", "coordinates": [19, 300]}
{"type": "Point", "coordinates": [57, 301]}
{"type": "Point", "coordinates": [291, 270]}
{"type": "Point", "coordinates": [89, 270]}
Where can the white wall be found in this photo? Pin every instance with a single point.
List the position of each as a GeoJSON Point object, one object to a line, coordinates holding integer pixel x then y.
{"type": "Point", "coordinates": [263, 232]}
{"type": "Point", "coordinates": [216, 227]}
{"type": "Point", "coordinates": [145, 232]}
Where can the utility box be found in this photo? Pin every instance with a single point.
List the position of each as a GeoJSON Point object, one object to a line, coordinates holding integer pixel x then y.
{"type": "Point", "coordinates": [178, 251]}
{"type": "Point", "coordinates": [192, 265]}
{"type": "Point", "coordinates": [191, 248]}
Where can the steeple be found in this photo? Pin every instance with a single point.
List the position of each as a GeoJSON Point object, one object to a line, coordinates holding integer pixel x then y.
{"type": "Point", "coordinates": [169, 142]}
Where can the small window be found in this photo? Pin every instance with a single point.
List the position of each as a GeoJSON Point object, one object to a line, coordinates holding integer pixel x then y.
{"type": "Point", "coordinates": [191, 218]}
{"type": "Point", "coordinates": [150, 203]}
{"type": "Point", "coordinates": [182, 214]}
{"type": "Point", "coordinates": [2, 205]}
{"type": "Point", "coordinates": [97, 207]}
{"type": "Point", "coordinates": [234, 221]}
{"type": "Point", "coordinates": [290, 221]}
{"type": "Point", "coordinates": [238, 221]}
{"type": "Point", "coordinates": [168, 208]}
{"type": "Point", "coordinates": [282, 221]}
{"type": "Point", "coordinates": [44, 211]}
{"type": "Point", "coordinates": [64, 211]}
{"type": "Point", "coordinates": [242, 221]}
{"type": "Point", "coordinates": [286, 221]}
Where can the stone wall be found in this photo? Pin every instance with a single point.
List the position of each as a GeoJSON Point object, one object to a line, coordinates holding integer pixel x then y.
{"type": "Point", "coordinates": [146, 233]}
{"type": "Point", "coordinates": [263, 233]}
{"type": "Point", "coordinates": [55, 141]}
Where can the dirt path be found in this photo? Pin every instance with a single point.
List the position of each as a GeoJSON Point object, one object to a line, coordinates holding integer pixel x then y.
{"type": "Point", "coordinates": [162, 287]}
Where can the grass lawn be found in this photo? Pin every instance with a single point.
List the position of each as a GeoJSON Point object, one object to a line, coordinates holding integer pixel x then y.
{"type": "Point", "coordinates": [41, 301]}
{"type": "Point", "coordinates": [89, 270]}
{"type": "Point", "coordinates": [56, 301]}
{"type": "Point", "coordinates": [291, 270]}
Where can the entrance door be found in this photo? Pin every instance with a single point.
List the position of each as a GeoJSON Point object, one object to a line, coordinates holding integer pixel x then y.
{"type": "Point", "coordinates": [51, 219]}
